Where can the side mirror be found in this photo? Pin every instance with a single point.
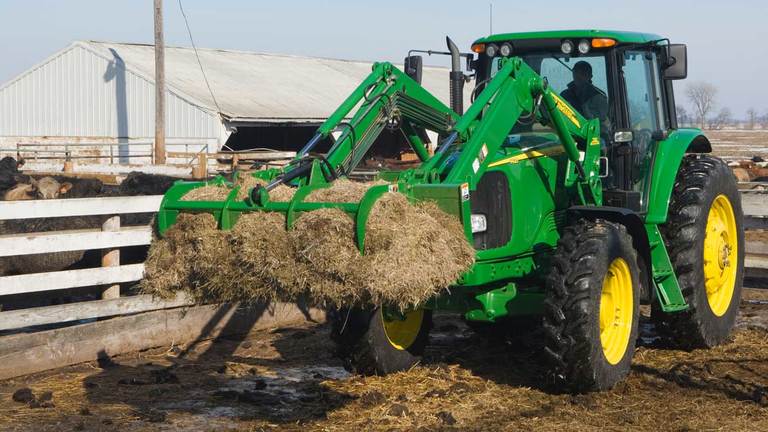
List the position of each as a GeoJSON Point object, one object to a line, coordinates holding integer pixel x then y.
{"type": "Point", "coordinates": [623, 136]}
{"type": "Point", "coordinates": [413, 66]}
{"type": "Point", "coordinates": [676, 62]}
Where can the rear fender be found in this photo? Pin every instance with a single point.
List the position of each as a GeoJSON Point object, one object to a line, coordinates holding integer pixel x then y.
{"type": "Point", "coordinates": [666, 163]}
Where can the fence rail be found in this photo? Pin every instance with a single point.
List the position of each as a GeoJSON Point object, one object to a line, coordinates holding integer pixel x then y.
{"type": "Point", "coordinates": [34, 209]}
{"type": "Point", "coordinates": [109, 238]}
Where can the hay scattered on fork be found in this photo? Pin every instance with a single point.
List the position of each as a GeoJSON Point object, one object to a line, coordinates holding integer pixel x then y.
{"type": "Point", "coordinates": [411, 253]}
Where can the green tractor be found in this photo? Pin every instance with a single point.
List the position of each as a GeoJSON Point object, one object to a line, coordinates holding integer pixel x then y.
{"type": "Point", "coordinates": [580, 193]}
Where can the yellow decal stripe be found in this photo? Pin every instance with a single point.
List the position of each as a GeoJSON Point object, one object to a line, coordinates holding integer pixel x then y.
{"type": "Point", "coordinates": [527, 155]}
{"type": "Point", "coordinates": [566, 110]}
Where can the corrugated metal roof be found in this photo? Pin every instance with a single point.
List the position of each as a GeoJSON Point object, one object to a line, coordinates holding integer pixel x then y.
{"type": "Point", "coordinates": [256, 86]}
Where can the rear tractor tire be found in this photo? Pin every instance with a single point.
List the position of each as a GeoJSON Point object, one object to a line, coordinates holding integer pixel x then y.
{"type": "Point", "coordinates": [591, 309]}
{"type": "Point", "coordinates": [705, 239]}
{"type": "Point", "coordinates": [378, 342]}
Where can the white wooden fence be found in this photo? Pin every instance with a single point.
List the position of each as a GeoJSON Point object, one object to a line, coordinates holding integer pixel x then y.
{"type": "Point", "coordinates": [108, 238]}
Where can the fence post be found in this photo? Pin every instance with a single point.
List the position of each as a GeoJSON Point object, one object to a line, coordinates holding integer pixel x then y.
{"type": "Point", "coordinates": [111, 257]}
{"type": "Point", "coordinates": [68, 164]}
{"type": "Point", "coordinates": [201, 170]}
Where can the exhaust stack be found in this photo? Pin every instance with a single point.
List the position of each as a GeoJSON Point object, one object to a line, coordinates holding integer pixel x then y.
{"type": "Point", "coordinates": [456, 78]}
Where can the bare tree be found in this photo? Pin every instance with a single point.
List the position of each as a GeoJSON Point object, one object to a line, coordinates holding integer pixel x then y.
{"type": "Point", "coordinates": [702, 97]}
{"type": "Point", "coordinates": [764, 120]}
{"type": "Point", "coordinates": [751, 118]}
{"type": "Point", "coordinates": [722, 119]}
{"type": "Point", "coordinates": [683, 117]}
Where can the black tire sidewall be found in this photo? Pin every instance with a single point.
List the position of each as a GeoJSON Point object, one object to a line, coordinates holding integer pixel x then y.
{"type": "Point", "coordinates": [607, 374]}
{"type": "Point", "coordinates": [362, 342]}
{"type": "Point", "coordinates": [391, 359]}
{"type": "Point", "coordinates": [571, 320]}
{"type": "Point", "coordinates": [711, 329]}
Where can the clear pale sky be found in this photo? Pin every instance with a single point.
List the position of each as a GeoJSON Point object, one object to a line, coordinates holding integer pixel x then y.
{"type": "Point", "coordinates": [727, 40]}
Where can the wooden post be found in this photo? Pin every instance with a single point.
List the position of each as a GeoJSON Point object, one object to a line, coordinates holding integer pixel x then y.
{"type": "Point", "coordinates": [201, 170]}
{"type": "Point", "coordinates": [111, 257]}
{"type": "Point", "coordinates": [159, 85]}
{"type": "Point", "coordinates": [68, 165]}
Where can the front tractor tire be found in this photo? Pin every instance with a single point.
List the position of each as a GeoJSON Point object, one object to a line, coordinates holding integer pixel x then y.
{"type": "Point", "coordinates": [591, 309]}
{"type": "Point", "coordinates": [376, 341]}
{"type": "Point", "coordinates": [705, 240]}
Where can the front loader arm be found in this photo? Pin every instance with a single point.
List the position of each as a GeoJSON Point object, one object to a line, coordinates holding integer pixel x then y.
{"type": "Point", "coordinates": [517, 91]}
{"type": "Point", "coordinates": [386, 96]}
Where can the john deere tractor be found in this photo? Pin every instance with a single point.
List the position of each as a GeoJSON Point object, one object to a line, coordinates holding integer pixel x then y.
{"type": "Point", "coordinates": [580, 193]}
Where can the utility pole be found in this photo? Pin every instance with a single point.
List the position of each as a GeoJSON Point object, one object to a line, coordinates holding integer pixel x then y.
{"type": "Point", "coordinates": [159, 85]}
{"type": "Point", "coordinates": [490, 18]}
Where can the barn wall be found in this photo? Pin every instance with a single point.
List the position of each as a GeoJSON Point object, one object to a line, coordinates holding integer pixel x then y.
{"type": "Point", "coordinates": [77, 93]}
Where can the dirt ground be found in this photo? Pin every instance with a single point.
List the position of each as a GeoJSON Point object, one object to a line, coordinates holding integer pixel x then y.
{"type": "Point", "coordinates": [288, 379]}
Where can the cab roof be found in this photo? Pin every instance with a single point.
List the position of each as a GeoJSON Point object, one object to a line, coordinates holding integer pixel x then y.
{"type": "Point", "coordinates": [619, 36]}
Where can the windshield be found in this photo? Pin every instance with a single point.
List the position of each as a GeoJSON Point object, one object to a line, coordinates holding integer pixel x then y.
{"type": "Point", "coordinates": [582, 81]}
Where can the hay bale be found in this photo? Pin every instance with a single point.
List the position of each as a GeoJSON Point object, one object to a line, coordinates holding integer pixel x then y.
{"type": "Point", "coordinates": [343, 190]}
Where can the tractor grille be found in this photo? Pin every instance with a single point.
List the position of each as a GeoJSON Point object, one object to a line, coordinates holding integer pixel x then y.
{"type": "Point", "coordinates": [492, 199]}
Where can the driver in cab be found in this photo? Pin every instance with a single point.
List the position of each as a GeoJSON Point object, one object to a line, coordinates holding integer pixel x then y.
{"type": "Point", "coordinates": [588, 100]}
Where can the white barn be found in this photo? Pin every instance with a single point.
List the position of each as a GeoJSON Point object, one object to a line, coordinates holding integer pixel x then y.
{"type": "Point", "coordinates": [100, 95]}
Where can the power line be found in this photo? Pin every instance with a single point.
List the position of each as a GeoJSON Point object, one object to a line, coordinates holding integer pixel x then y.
{"type": "Point", "coordinates": [197, 55]}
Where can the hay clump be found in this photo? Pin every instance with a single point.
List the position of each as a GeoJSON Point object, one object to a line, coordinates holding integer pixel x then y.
{"type": "Point", "coordinates": [343, 190]}
{"type": "Point", "coordinates": [172, 258]}
{"type": "Point", "coordinates": [281, 193]}
{"type": "Point", "coordinates": [209, 192]}
{"type": "Point", "coordinates": [215, 192]}
{"type": "Point", "coordinates": [246, 182]}
{"type": "Point", "coordinates": [264, 257]}
{"type": "Point", "coordinates": [412, 251]}
{"type": "Point", "coordinates": [325, 249]}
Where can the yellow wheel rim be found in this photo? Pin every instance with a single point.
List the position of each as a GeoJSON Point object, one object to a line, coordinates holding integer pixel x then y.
{"type": "Point", "coordinates": [402, 333]}
{"type": "Point", "coordinates": [720, 255]}
{"type": "Point", "coordinates": [616, 311]}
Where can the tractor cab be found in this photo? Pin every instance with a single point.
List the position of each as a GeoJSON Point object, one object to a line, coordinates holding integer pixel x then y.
{"type": "Point", "coordinates": [623, 79]}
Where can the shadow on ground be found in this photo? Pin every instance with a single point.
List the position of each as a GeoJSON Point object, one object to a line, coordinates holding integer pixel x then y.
{"type": "Point", "coordinates": [229, 376]}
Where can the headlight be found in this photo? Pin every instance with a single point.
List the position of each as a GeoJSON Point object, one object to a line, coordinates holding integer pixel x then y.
{"type": "Point", "coordinates": [584, 46]}
{"type": "Point", "coordinates": [491, 50]}
{"type": "Point", "coordinates": [566, 47]}
{"type": "Point", "coordinates": [505, 50]}
{"type": "Point", "coordinates": [479, 223]}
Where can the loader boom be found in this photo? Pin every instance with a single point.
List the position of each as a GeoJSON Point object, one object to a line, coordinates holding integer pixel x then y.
{"type": "Point", "coordinates": [517, 91]}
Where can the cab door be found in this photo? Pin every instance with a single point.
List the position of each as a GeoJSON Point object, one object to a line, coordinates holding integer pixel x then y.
{"type": "Point", "coordinates": [642, 120]}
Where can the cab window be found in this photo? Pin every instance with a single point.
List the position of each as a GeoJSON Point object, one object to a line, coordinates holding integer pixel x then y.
{"type": "Point", "coordinates": [582, 81]}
